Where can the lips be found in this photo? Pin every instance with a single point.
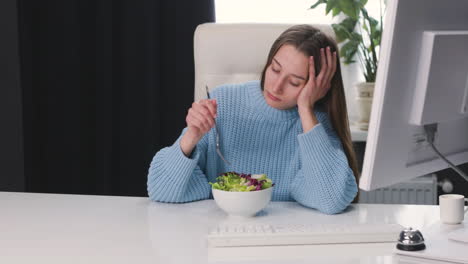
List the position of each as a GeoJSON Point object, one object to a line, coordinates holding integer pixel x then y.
{"type": "Point", "coordinates": [276, 99]}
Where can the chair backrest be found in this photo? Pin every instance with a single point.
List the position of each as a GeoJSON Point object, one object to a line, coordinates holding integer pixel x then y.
{"type": "Point", "coordinates": [233, 53]}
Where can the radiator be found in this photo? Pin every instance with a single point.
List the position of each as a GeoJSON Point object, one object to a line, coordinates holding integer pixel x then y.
{"type": "Point", "coordinates": [421, 190]}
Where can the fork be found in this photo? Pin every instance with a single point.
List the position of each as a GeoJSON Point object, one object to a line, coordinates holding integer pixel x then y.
{"type": "Point", "coordinates": [217, 134]}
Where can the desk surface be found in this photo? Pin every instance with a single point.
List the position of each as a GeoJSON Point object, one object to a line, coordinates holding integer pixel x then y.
{"type": "Point", "coordinates": [53, 228]}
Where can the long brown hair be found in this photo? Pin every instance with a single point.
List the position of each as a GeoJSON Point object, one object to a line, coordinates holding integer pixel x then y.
{"type": "Point", "coordinates": [309, 40]}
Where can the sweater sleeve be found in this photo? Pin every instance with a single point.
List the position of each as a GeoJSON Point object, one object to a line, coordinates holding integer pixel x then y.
{"type": "Point", "coordinates": [175, 178]}
{"type": "Point", "coordinates": [325, 181]}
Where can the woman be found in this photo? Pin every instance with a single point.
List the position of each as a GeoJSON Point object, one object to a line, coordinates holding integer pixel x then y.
{"type": "Point", "coordinates": [291, 125]}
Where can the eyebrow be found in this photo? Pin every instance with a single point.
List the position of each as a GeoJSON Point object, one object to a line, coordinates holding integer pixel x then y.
{"type": "Point", "coordinates": [295, 75]}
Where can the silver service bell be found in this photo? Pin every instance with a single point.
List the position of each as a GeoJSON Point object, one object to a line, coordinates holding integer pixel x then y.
{"type": "Point", "coordinates": [410, 240]}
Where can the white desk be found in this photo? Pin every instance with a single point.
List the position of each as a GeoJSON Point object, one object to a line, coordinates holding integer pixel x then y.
{"type": "Point", "coordinates": [49, 228]}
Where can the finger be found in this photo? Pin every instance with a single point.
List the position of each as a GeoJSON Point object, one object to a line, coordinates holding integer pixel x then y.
{"type": "Point", "coordinates": [205, 121]}
{"type": "Point", "coordinates": [207, 108]}
{"type": "Point", "coordinates": [197, 124]}
{"type": "Point", "coordinates": [311, 69]}
{"type": "Point", "coordinates": [194, 118]}
{"type": "Point", "coordinates": [332, 72]}
{"type": "Point", "coordinates": [193, 122]}
{"type": "Point", "coordinates": [203, 125]}
{"type": "Point", "coordinates": [203, 109]}
{"type": "Point", "coordinates": [323, 69]}
{"type": "Point", "coordinates": [307, 90]}
{"type": "Point", "coordinates": [211, 105]}
{"type": "Point", "coordinates": [334, 65]}
{"type": "Point", "coordinates": [207, 104]}
{"type": "Point", "coordinates": [329, 64]}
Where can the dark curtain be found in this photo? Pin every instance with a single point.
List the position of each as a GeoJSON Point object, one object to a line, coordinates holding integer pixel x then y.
{"type": "Point", "coordinates": [11, 130]}
{"type": "Point", "coordinates": [106, 84]}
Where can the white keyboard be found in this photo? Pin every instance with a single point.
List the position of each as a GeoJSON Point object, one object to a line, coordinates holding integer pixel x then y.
{"type": "Point", "coordinates": [232, 235]}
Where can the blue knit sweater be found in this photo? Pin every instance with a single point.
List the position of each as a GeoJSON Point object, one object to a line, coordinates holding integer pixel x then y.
{"type": "Point", "coordinates": [310, 168]}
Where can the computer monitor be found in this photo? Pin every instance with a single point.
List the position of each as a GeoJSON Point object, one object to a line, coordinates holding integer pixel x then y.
{"type": "Point", "coordinates": [422, 79]}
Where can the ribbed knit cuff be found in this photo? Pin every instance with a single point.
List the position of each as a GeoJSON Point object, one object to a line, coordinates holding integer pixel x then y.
{"type": "Point", "coordinates": [180, 173]}
{"type": "Point", "coordinates": [315, 139]}
{"type": "Point", "coordinates": [328, 163]}
{"type": "Point", "coordinates": [185, 165]}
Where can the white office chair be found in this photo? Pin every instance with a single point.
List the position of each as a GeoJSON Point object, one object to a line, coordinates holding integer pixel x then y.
{"type": "Point", "coordinates": [234, 53]}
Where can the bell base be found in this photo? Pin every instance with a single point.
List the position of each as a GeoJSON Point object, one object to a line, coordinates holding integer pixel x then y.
{"type": "Point", "coordinates": [411, 247]}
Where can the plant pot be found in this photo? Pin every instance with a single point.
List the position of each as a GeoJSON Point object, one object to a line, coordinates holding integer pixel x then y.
{"type": "Point", "coordinates": [365, 93]}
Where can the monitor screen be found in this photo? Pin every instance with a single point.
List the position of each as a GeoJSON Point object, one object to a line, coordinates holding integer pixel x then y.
{"type": "Point", "coordinates": [422, 79]}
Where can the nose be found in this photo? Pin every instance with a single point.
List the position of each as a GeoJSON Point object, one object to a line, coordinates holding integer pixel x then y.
{"type": "Point", "coordinates": [277, 86]}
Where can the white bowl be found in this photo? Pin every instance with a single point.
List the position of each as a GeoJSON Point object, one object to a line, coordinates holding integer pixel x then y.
{"type": "Point", "coordinates": [242, 204]}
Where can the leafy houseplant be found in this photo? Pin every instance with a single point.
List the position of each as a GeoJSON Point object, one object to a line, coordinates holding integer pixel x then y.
{"type": "Point", "coordinates": [359, 33]}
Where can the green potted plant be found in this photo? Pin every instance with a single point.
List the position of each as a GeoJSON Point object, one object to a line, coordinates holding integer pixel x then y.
{"type": "Point", "coordinates": [359, 36]}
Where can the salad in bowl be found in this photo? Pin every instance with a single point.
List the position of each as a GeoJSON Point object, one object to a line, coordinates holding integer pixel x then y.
{"type": "Point", "coordinates": [242, 195]}
{"type": "Point", "coordinates": [240, 182]}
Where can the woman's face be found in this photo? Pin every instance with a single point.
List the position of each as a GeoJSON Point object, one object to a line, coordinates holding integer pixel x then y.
{"type": "Point", "coordinates": [285, 77]}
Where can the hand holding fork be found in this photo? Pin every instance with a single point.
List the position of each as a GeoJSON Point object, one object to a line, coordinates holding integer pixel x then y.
{"type": "Point", "coordinates": [218, 146]}
{"type": "Point", "coordinates": [200, 119]}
